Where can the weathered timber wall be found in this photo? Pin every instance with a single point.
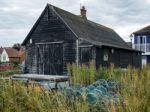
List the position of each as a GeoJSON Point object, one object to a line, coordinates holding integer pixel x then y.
{"type": "Point", "coordinates": [50, 28]}
{"type": "Point", "coordinates": [119, 57]}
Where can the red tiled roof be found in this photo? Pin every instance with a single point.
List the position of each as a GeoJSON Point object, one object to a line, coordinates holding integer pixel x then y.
{"type": "Point", "coordinates": [12, 53]}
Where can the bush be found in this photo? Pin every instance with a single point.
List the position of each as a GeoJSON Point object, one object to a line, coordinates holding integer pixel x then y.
{"type": "Point", "coordinates": [15, 63]}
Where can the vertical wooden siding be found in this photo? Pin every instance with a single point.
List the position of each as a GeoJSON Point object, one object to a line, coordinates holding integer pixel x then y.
{"type": "Point", "coordinates": [120, 58]}
{"type": "Point", "coordinates": [50, 29]}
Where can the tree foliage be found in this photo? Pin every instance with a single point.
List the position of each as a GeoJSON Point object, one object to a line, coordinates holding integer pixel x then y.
{"type": "Point", "coordinates": [17, 46]}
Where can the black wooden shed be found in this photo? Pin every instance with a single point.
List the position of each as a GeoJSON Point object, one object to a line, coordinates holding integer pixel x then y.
{"type": "Point", "coordinates": [60, 37]}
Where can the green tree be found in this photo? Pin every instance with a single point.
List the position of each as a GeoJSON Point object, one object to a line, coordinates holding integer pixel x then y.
{"type": "Point", "coordinates": [17, 46]}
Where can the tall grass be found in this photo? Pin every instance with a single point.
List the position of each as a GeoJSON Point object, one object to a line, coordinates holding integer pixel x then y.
{"type": "Point", "coordinates": [9, 73]}
{"type": "Point", "coordinates": [135, 84]}
{"type": "Point", "coordinates": [134, 95]}
{"type": "Point", "coordinates": [83, 74]}
{"type": "Point", "coordinates": [16, 97]}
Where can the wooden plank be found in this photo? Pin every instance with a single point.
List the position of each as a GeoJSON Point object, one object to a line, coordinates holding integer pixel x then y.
{"type": "Point", "coordinates": [58, 42]}
{"type": "Point", "coordinates": [54, 78]}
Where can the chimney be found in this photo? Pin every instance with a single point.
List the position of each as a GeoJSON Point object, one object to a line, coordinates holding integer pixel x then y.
{"type": "Point", "coordinates": [83, 12]}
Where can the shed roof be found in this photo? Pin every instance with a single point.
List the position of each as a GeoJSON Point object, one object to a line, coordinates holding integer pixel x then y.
{"type": "Point", "coordinates": [92, 32]}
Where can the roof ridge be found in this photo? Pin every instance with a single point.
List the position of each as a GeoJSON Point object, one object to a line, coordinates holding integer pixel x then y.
{"type": "Point", "coordinates": [97, 26]}
{"type": "Point", "coordinates": [62, 9]}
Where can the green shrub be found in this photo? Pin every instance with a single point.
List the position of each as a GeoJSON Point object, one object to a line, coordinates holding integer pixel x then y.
{"type": "Point", "coordinates": [15, 63]}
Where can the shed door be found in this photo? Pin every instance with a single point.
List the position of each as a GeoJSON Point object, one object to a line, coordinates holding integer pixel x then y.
{"type": "Point", "coordinates": [85, 55]}
{"type": "Point", "coordinates": [50, 59]}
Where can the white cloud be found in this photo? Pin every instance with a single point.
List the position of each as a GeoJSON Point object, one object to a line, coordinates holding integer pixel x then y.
{"type": "Point", "coordinates": [8, 37]}
{"type": "Point", "coordinates": [148, 1]}
{"type": "Point", "coordinates": [18, 16]}
{"type": "Point", "coordinates": [6, 9]}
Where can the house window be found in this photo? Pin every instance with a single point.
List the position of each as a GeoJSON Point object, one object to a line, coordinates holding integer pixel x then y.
{"type": "Point", "coordinates": [4, 57]}
{"type": "Point", "coordinates": [141, 39]}
{"type": "Point", "coordinates": [106, 51]}
{"type": "Point", "coordinates": [141, 43]}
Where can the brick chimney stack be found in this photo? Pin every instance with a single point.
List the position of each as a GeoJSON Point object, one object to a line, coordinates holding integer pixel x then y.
{"type": "Point", "coordinates": [83, 12]}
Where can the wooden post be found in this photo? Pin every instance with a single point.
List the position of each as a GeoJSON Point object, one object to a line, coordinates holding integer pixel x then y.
{"type": "Point", "coordinates": [77, 51]}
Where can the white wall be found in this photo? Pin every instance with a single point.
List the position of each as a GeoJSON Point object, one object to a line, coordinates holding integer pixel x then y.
{"type": "Point", "coordinates": [4, 56]}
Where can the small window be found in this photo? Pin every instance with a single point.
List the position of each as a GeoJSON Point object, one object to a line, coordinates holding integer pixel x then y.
{"type": "Point", "coordinates": [106, 54]}
{"type": "Point", "coordinates": [30, 41]}
{"type": "Point", "coordinates": [112, 51]}
{"type": "Point", "coordinates": [4, 57]}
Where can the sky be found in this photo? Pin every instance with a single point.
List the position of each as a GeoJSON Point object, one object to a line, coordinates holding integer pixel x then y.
{"type": "Point", "coordinates": [125, 16]}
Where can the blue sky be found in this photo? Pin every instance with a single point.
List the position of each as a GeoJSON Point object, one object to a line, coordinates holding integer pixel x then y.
{"type": "Point", "coordinates": [125, 16]}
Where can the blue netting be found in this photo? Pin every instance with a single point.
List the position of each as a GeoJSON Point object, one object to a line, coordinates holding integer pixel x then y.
{"type": "Point", "coordinates": [45, 85]}
{"type": "Point", "coordinates": [101, 92]}
{"type": "Point", "coordinates": [102, 88]}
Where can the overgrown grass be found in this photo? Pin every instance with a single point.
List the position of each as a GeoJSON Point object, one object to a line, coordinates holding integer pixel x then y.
{"type": "Point", "coordinates": [16, 97]}
{"type": "Point", "coordinates": [134, 95]}
{"type": "Point", "coordinates": [83, 75]}
{"type": "Point", "coordinates": [86, 75]}
{"type": "Point", "coordinates": [8, 73]}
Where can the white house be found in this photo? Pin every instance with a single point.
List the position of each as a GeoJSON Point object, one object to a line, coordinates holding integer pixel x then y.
{"type": "Point", "coordinates": [4, 56]}
{"type": "Point", "coordinates": [9, 54]}
{"type": "Point", "coordinates": [1, 50]}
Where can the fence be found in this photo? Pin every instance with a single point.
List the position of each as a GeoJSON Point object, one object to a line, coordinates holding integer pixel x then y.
{"type": "Point", "coordinates": [142, 47]}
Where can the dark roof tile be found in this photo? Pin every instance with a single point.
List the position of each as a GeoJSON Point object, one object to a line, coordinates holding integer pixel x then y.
{"type": "Point", "coordinates": [91, 31]}
{"type": "Point", "coordinates": [85, 29]}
